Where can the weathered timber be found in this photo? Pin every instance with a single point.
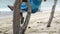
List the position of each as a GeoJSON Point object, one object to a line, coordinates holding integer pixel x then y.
{"type": "Point", "coordinates": [23, 28]}
{"type": "Point", "coordinates": [16, 17]}
{"type": "Point", "coordinates": [52, 14]}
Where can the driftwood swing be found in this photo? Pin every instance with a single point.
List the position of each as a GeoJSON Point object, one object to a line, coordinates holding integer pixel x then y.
{"type": "Point", "coordinates": [17, 15]}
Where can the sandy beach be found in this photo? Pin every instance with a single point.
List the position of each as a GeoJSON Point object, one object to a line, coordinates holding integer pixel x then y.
{"type": "Point", "coordinates": [38, 23]}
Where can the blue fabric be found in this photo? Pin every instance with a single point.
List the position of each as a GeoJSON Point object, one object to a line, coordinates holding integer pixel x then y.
{"type": "Point", "coordinates": [34, 5]}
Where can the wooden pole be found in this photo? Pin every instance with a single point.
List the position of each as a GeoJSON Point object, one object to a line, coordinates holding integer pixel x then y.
{"type": "Point", "coordinates": [52, 13]}
{"type": "Point", "coordinates": [16, 17]}
{"type": "Point", "coordinates": [23, 28]}
{"type": "Point", "coordinates": [17, 29]}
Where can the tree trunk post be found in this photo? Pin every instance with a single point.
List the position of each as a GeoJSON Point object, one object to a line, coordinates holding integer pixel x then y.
{"type": "Point", "coordinates": [17, 29]}
{"type": "Point", "coordinates": [52, 14]}
{"type": "Point", "coordinates": [23, 28]}
{"type": "Point", "coordinates": [16, 17]}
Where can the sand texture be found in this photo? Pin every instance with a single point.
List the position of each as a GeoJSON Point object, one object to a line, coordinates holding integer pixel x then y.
{"type": "Point", "coordinates": [38, 23]}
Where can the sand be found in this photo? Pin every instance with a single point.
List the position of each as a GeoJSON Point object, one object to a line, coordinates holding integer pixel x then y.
{"type": "Point", "coordinates": [38, 23]}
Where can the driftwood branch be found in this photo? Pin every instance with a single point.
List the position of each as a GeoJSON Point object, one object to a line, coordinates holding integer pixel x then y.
{"type": "Point", "coordinates": [11, 7]}
{"type": "Point", "coordinates": [52, 13]}
{"type": "Point", "coordinates": [17, 29]}
{"type": "Point", "coordinates": [16, 17]}
{"type": "Point", "coordinates": [22, 30]}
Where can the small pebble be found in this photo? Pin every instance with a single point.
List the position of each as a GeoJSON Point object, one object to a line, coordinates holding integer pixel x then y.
{"type": "Point", "coordinates": [29, 27]}
{"type": "Point", "coordinates": [38, 22]}
{"type": "Point", "coordinates": [0, 31]}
